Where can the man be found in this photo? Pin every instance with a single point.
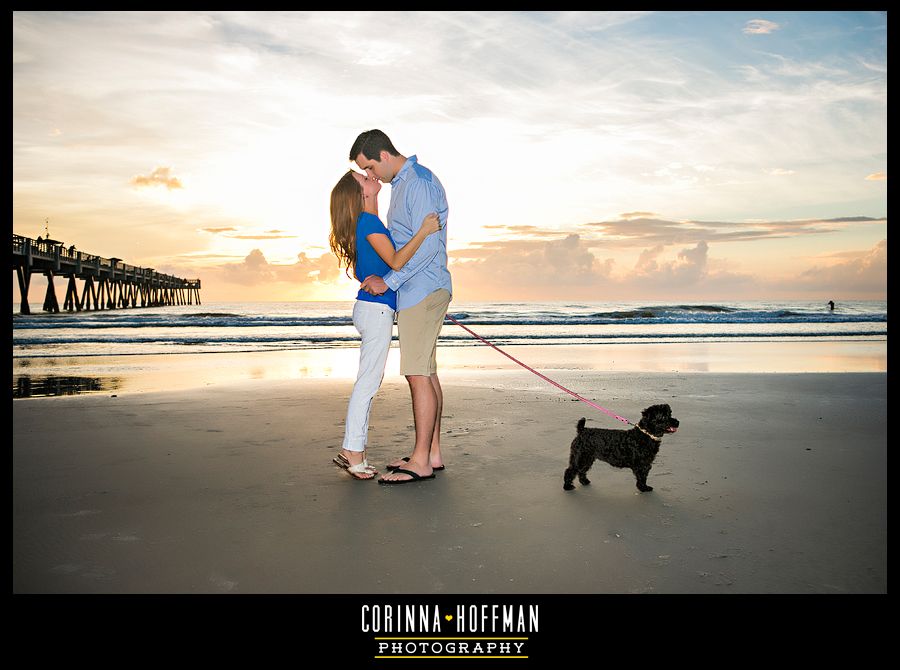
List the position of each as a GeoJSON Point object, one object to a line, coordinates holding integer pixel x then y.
{"type": "Point", "coordinates": [423, 288]}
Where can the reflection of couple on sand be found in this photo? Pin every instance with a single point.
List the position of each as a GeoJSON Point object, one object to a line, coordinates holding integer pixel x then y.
{"type": "Point", "coordinates": [403, 269]}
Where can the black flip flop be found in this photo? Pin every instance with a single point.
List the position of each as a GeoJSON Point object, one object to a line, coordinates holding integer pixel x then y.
{"type": "Point", "coordinates": [405, 459]}
{"type": "Point", "coordinates": [415, 477]}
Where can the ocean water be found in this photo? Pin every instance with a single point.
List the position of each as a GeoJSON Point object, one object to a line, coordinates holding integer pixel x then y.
{"type": "Point", "coordinates": [250, 327]}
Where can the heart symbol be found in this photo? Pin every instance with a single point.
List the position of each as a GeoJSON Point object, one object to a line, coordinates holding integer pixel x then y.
{"type": "Point", "coordinates": [448, 617]}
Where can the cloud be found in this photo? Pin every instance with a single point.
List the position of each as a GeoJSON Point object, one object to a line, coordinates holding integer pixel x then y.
{"type": "Point", "coordinates": [791, 68]}
{"type": "Point", "coordinates": [225, 231]}
{"type": "Point", "coordinates": [856, 219]}
{"type": "Point", "coordinates": [636, 231]}
{"type": "Point", "coordinates": [159, 177]}
{"type": "Point", "coordinates": [639, 94]}
{"type": "Point", "coordinates": [646, 231]}
{"type": "Point", "coordinates": [588, 266]}
{"type": "Point", "coordinates": [751, 74]}
{"type": "Point", "coordinates": [866, 274]}
{"type": "Point", "coordinates": [262, 236]}
{"type": "Point", "coordinates": [760, 27]}
{"type": "Point", "coordinates": [323, 269]}
{"type": "Point", "coordinates": [578, 267]}
{"type": "Point", "coordinates": [521, 268]}
{"type": "Point", "coordinates": [646, 264]}
{"type": "Point", "coordinates": [688, 267]}
{"type": "Point", "coordinates": [380, 53]}
{"type": "Point", "coordinates": [875, 67]}
{"type": "Point", "coordinates": [525, 231]}
{"type": "Point", "coordinates": [877, 176]}
{"type": "Point", "coordinates": [570, 267]}
{"type": "Point", "coordinates": [255, 270]}
{"type": "Point", "coordinates": [779, 172]}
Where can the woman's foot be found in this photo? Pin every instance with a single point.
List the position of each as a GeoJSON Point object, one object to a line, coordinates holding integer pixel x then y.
{"type": "Point", "coordinates": [355, 463]}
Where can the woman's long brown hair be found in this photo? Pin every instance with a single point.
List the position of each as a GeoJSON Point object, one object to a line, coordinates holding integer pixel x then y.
{"type": "Point", "coordinates": [346, 205]}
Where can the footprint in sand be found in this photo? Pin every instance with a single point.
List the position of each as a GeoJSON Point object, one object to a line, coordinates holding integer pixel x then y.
{"type": "Point", "coordinates": [221, 583]}
{"type": "Point", "coordinates": [66, 569]}
{"type": "Point", "coordinates": [80, 513]}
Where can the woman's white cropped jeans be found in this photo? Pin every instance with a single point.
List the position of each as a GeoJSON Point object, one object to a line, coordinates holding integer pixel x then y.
{"type": "Point", "coordinates": [375, 323]}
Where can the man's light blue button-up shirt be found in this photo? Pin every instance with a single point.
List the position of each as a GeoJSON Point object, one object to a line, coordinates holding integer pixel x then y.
{"type": "Point", "coordinates": [415, 193]}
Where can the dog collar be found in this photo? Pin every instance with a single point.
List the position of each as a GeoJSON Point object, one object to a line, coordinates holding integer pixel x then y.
{"type": "Point", "coordinates": [652, 437]}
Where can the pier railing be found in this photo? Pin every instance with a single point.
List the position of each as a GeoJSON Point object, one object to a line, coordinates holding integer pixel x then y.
{"type": "Point", "coordinates": [109, 283]}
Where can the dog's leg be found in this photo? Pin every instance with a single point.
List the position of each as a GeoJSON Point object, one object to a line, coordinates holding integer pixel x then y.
{"type": "Point", "coordinates": [568, 476]}
{"type": "Point", "coordinates": [581, 457]}
{"type": "Point", "coordinates": [585, 461]}
{"type": "Point", "coordinates": [640, 474]}
{"type": "Point", "coordinates": [582, 475]}
{"type": "Point", "coordinates": [570, 472]}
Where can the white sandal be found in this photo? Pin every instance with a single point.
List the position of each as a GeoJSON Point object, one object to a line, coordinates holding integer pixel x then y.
{"type": "Point", "coordinates": [362, 469]}
{"type": "Point", "coordinates": [355, 470]}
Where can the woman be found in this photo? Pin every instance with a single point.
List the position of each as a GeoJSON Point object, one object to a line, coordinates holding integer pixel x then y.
{"type": "Point", "coordinates": [360, 240]}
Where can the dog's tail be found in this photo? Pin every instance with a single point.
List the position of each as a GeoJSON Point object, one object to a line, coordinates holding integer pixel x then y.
{"type": "Point", "coordinates": [581, 424]}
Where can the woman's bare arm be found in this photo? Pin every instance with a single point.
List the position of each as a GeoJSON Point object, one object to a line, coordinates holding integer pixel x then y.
{"type": "Point", "coordinates": [396, 259]}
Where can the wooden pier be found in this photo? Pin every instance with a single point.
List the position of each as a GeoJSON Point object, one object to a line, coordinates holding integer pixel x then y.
{"type": "Point", "coordinates": [108, 282]}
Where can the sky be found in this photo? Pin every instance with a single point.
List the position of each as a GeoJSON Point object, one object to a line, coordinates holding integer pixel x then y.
{"type": "Point", "coordinates": [605, 156]}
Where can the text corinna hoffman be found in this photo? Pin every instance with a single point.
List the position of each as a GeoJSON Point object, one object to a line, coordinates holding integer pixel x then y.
{"type": "Point", "coordinates": [431, 619]}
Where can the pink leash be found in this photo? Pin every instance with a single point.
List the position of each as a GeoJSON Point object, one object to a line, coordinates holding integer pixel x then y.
{"type": "Point", "coordinates": [544, 377]}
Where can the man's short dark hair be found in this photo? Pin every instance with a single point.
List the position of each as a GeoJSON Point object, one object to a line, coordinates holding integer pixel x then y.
{"type": "Point", "coordinates": [370, 144]}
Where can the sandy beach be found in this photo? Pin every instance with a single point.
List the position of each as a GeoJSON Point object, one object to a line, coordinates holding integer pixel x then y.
{"type": "Point", "coordinates": [775, 483]}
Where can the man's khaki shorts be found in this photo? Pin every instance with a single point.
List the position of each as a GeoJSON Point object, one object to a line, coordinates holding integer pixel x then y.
{"type": "Point", "coordinates": [418, 327]}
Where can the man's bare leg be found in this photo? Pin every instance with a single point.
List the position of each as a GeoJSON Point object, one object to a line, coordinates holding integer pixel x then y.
{"type": "Point", "coordinates": [436, 458]}
{"type": "Point", "coordinates": [426, 417]}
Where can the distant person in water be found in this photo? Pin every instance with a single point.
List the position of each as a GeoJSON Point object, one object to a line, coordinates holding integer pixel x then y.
{"type": "Point", "coordinates": [360, 241]}
{"type": "Point", "coordinates": [831, 305]}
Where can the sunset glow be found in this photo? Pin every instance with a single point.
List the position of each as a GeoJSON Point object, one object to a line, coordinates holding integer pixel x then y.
{"type": "Point", "coordinates": [586, 155]}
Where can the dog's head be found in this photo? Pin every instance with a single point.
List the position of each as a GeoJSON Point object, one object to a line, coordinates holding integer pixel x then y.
{"type": "Point", "coordinates": [658, 420]}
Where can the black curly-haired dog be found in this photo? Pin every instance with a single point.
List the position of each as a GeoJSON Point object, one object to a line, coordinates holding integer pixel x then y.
{"type": "Point", "coordinates": [635, 448]}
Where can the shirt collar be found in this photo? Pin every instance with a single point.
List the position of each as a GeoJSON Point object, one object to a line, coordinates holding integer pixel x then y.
{"type": "Point", "coordinates": [407, 166]}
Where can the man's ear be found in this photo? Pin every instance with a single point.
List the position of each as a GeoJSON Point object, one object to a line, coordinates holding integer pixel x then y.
{"type": "Point", "coordinates": [384, 156]}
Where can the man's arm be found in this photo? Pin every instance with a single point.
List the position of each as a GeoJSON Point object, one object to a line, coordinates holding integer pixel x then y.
{"type": "Point", "coordinates": [374, 285]}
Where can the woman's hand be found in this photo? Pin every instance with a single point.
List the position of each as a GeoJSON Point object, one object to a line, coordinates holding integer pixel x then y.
{"type": "Point", "coordinates": [431, 223]}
